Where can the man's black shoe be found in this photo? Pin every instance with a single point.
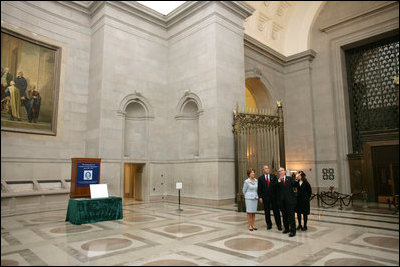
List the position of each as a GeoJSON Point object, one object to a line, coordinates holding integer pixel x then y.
{"type": "Point", "coordinates": [285, 231]}
{"type": "Point", "coordinates": [292, 234]}
{"type": "Point", "coordinates": [304, 228]}
{"type": "Point", "coordinates": [280, 228]}
{"type": "Point", "coordinates": [269, 227]}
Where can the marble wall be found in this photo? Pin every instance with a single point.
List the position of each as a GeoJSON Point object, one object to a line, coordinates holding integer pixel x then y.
{"type": "Point", "coordinates": [128, 71]}
{"type": "Point", "coordinates": [116, 56]}
{"type": "Point", "coordinates": [25, 156]}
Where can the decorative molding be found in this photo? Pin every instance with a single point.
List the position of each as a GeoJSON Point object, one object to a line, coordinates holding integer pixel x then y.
{"type": "Point", "coordinates": [283, 5]}
{"type": "Point", "coordinates": [262, 21]}
{"type": "Point", "coordinates": [194, 160]}
{"type": "Point", "coordinates": [275, 56]}
{"type": "Point", "coordinates": [76, 5]}
{"type": "Point", "coordinates": [276, 29]}
{"type": "Point", "coordinates": [267, 3]}
{"type": "Point", "coordinates": [371, 11]}
{"type": "Point", "coordinates": [255, 72]}
{"type": "Point", "coordinates": [136, 9]}
{"type": "Point", "coordinates": [91, 7]}
{"type": "Point", "coordinates": [86, 4]}
{"type": "Point", "coordinates": [299, 57]}
{"type": "Point", "coordinates": [136, 97]}
{"type": "Point", "coordinates": [239, 7]}
{"type": "Point", "coordinates": [188, 96]}
{"type": "Point", "coordinates": [56, 19]}
{"type": "Point", "coordinates": [184, 11]}
{"type": "Point", "coordinates": [264, 50]}
{"type": "Point", "coordinates": [115, 160]}
{"type": "Point", "coordinates": [34, 160]}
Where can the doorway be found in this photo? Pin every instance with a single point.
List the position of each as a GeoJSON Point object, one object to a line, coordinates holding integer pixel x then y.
{"type": "Point", "coordinates": [385, 162]}
{"type": "Point", "coordinates": [133, 181]}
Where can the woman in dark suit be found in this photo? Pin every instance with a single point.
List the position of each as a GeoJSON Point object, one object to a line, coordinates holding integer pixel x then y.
{"type": "Point", "coordinates": [303, 199]}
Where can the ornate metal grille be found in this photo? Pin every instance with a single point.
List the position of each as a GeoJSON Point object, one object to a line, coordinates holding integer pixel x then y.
{"type": "Point", "coordinates": [373, 94]}
{"type": "Point", "coordinates": [258, 141]}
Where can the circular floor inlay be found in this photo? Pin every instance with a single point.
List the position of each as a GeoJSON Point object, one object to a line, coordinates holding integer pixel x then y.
{"type": "Point", "coordinates": [9, 263]}
{"type": "Point", "coordinates": [69, 229]}
{"type": "Point", "coordinates": [139, 219]}
{"type": "Point", "coordinates": [232, 218]}
{"type": "Point", "coordinates": [381, 241]}
{"type": "Point", "coordinates": [184, 229]}
{"type": "Point", "coordinates": [49, 219]}
{"type": "Point", "coordinates": [106, 244]}
{"type": "Point", "coordinates": [351, 262]}
{"type": "Point", "coordinates": [249, 244]}
{"type": "Point", "coordinates": [170, 263]}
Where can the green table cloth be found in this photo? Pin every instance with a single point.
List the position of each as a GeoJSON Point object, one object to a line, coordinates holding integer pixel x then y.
{"type": "Point", "coordinates": [81, 211]}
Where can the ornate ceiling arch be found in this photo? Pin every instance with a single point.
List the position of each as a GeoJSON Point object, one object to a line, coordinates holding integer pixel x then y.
{"type": "Point", "coordinates": [282, 25]}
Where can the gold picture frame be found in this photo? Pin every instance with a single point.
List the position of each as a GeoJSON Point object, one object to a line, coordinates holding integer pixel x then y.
{"type": "Point", "coordinates": [30, 72]}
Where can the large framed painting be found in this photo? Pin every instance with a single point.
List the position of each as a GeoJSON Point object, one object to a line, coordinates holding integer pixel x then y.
{"type": "Point", "coordinates": [30, 73]}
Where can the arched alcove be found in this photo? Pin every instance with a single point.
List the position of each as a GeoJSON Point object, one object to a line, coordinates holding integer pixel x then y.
{"type": "Point", "coordinates": [136, 111]}
{"type": "Point", "coordinates": [189, 110]}
{"type": "Point", "coordinates": [260, 93]}
{"type": "Point", "coordinates": [135, 136]}
{"type": "Point", "coordinates": [250, 101]}
{"type": "Point", "coordinates": [188, 101]}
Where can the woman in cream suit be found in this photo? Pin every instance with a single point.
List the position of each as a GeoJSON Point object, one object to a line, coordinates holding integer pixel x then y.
{"type": "Point", "coordinates": [251, 197]}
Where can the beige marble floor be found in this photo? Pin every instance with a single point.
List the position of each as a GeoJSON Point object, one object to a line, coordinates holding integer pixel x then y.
{"type": "Point", "coordinates": [159, 234]}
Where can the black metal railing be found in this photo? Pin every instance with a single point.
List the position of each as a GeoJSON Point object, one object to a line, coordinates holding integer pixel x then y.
{"type": "Point", "coordinates": [332, 198]}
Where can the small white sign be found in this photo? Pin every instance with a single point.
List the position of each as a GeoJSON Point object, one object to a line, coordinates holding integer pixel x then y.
{"type": "Point", "coordinates": [179, 185]}
{"type": "Point", "coordinates": [98, 190]}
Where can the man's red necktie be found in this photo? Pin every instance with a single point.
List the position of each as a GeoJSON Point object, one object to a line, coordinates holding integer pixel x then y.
{"type": "Point", "coordinates": [267, 180]}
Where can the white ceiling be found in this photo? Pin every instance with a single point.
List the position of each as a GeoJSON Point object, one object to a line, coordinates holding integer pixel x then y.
{"type": "Point", "coordinates": [163, 7]}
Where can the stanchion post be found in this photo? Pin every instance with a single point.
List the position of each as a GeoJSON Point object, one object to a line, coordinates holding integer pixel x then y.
{"type": "Point", "coordinates": [179, 199]}
{"type": "Point", "coordinates": [179, 187]}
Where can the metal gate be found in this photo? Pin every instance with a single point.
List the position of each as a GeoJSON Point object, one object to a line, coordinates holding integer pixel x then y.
{"type": "Point", "coordinates": [259, 141]}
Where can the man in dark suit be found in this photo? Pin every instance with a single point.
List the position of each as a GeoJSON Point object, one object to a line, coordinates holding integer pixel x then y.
{"type": "Point", "coordinates": [267, 187]}
{"type": "Point", "coordinates": [21, 84]}
{"type": "Point", "coordinates": [287, 201]}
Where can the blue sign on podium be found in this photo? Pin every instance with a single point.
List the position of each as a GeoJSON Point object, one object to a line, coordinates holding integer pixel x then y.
{"type": "Point", "coordinates": [87, 173]}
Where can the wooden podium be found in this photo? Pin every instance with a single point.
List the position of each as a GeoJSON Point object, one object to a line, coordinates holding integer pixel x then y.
{"type": "Point", "coordinates": [84, 172]}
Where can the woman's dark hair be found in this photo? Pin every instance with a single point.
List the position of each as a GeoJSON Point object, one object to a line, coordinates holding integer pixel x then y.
{"type": "Point", "coordinates": [303, 176]}
{"type": "Point", "coordinates": [250, 170]}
